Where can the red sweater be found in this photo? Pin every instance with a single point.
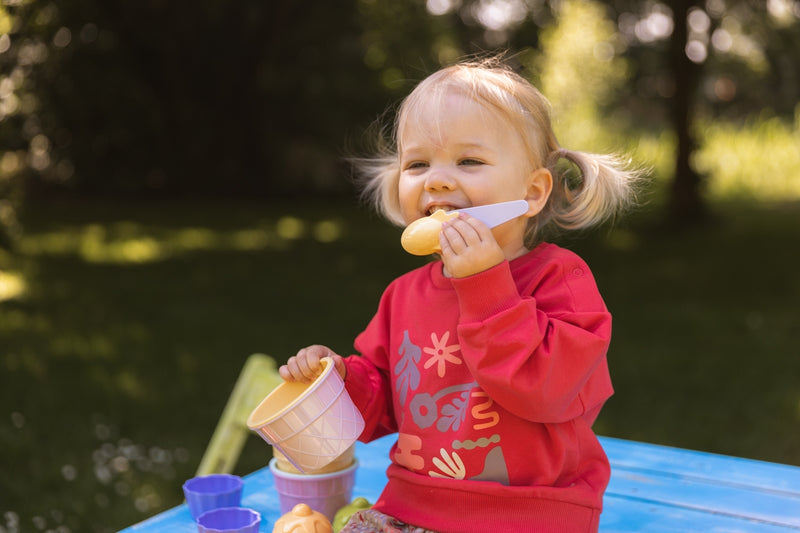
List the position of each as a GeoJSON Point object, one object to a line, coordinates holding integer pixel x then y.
{"type": "Point", "coordinates": [492, 383]}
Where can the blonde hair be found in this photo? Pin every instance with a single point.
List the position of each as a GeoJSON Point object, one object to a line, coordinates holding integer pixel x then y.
{"type": "Point", "coordinates": [605, 185]}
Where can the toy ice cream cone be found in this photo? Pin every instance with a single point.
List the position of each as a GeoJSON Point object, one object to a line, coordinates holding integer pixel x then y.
{"type": "Point", "coordinates": [310, 424]}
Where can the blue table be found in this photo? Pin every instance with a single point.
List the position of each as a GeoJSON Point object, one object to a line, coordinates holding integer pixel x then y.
{"type": "Point", "coordinates": [653, 489]}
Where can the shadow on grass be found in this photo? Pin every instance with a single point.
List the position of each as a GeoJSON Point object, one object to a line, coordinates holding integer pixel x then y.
{"type": "Point", "coordinates": [123, 328]}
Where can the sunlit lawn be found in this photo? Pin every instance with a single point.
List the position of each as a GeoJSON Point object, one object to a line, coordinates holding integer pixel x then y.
{"type": "Point", "coordinates": [124, 325]}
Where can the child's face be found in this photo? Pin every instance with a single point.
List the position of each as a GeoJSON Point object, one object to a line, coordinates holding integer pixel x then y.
{"type": "Point", "coordinates": [458, 154]}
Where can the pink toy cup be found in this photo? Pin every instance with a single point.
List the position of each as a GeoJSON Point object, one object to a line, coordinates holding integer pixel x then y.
{"type": "Point", "coordinates": [229, 520]}
{"type": "Point", "coordinates": [325, 493]}
{"type": "Point", "coordinates": [204, 493]}
{"type": "Point", "coordinates": [311, 424]}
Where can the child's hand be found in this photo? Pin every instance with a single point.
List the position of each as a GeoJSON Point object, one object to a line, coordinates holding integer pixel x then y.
{"type": "Point", "coordinates": [468, 247]}
{"type": "Point", "coordinates": [305, 366]}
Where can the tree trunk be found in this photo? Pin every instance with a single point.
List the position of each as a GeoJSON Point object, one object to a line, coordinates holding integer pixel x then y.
{"type": "Point", "coordinates": [686, 204]}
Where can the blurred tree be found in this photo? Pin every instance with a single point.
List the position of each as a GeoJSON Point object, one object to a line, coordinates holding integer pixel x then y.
{"type": "Point", "coordinates": [696, 61]}
{"type": "Point", "coordinates": [17, 60]}
{"type": "Point", "coordinates": [686, 201]}
{"type": "Point", "coordinates": [579, 70]}
{"type": "Point", "coordinates": [255, 97]}
{"type": "Point", "coordinates": [185, 97]}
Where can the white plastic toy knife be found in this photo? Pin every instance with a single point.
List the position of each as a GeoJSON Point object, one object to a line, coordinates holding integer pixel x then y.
{"type": "Point", "coordinates": [495, 214]}
{"type": "Point", "coordinates": [421, 237]}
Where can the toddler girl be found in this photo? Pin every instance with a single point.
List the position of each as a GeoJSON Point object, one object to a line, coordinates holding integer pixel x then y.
{"type": "Point", "coordinates": [490, 362]}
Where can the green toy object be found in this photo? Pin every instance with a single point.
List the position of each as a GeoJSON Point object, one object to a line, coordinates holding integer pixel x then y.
{"type": "Point", "coordinates": [344, 514]}
{"type": "Point", "coordinates": [258, 377]}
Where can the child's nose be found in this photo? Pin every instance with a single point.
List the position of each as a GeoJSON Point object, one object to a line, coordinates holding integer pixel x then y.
{"type": "Point", "coordinates": [439, 179]}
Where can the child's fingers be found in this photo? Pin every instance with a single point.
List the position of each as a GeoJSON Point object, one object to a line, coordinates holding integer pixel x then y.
{"type": "Point", "coordinates": [291, 371]}
{"type": "Point", "coordinates": [285, 373]}
{"type": "Point", "coordinates": [338, 363]}
{"type": "Point", "coordinates": [306, 365]}
{"type": "Point", "coordinates": [477, 229]}
{"type": "Point", "coordinates": [468, 247]}
{"type": "Point", "coordinates": [462, 232]}
{"type": "Point", "coordinates": [450, 240]}
{"type": "Point", "coordinates": [308, 362]}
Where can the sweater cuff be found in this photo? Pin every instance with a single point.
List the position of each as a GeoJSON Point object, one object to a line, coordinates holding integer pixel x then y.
{"type": "Point", "coordinates": [486, 293]}
{"type": "Point", "coordinates": [358, 382]}
{"type": "Point", "coordinates": [363, 385]}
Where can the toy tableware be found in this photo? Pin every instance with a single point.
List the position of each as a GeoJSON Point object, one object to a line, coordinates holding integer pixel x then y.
{"type": "Point", "coordinates": [343, 515]}
{"type": "Point", "coordinates": [421, 237]}
{"type": "Point", "coordinates": [229, 520]}
{"type": "Point", "coordinates": [204, 493]}
{"type": "Point", "coordinates": [325, 493]}
{"type": "Point", "coordinates": [340, 463]}
{"type": "Point", "coordinates": [311, 424]}
{"type": "Point", "coordinates": [495, 214]}
{"type": "Point", "coordinates": [302, 519]}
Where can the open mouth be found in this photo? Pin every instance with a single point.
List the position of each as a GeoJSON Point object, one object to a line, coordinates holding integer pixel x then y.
{"type": "Point", "coordinates": [446, 208]}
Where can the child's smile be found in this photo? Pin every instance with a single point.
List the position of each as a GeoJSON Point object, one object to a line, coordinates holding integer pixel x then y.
{"type": "Point", "coordinates": [456, 153]}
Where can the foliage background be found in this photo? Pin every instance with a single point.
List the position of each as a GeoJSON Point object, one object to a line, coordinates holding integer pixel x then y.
{"type": "Point", "coordinates": [173, 198]}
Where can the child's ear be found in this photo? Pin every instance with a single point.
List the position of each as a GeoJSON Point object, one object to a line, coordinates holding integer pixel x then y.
{"type": "Point", "coordinates": [540, 185]}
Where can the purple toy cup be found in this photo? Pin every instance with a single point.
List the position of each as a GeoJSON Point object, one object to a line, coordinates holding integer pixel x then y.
{"type": "Point", "coordinates": [325, 493]}
{"type": "Point", "coordinates": [229, 520]}
{"type": "Point", "coordinates": [205, 493]}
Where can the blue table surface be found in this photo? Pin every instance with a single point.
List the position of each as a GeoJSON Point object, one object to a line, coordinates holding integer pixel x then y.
{"type": "Point", "coordinates": [653, 489]}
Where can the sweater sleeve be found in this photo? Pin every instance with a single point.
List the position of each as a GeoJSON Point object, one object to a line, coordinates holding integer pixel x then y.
{"type": "Point", "coordinates": [367, 380]}
{"type": "Point", "coordinates": [369, 389]}
{"type": "Point", "coordinates": [541, 355]}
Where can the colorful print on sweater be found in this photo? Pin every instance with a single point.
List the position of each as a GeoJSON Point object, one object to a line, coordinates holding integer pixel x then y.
{"type": "Point", "coordinates": [492, 384]}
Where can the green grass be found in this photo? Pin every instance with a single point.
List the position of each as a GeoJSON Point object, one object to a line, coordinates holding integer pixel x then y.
{"type": "Point", "coordinates": [758, 159]}
{"type": "Point", "coordinates": [123, 327]}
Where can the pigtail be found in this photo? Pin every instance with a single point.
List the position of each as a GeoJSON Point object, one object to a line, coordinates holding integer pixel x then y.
{"type": "Point", "coordinates": [377, 176]}
{"type": "Point", "coordinates": [604, 187]}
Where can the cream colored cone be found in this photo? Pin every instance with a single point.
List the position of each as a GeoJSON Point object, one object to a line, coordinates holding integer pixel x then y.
{"type": "Point", "coordinates": [340, 463]}
{"type": "Point", "coordinates": [311, 424]}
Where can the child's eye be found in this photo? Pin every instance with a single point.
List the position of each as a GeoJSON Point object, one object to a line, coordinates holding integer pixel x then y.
{"type": "Point", "coordinates": [470, 162]}
{"type": "Point", "coordinates": [416, 164]}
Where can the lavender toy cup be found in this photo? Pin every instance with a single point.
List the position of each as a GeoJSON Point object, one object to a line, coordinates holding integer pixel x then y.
{"type": "Point", "coordinates": [325, 493]}
{"type": "Point", "coordinates": [204, 493]}
{"type": "Point", "coordinates": [229, 520]}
